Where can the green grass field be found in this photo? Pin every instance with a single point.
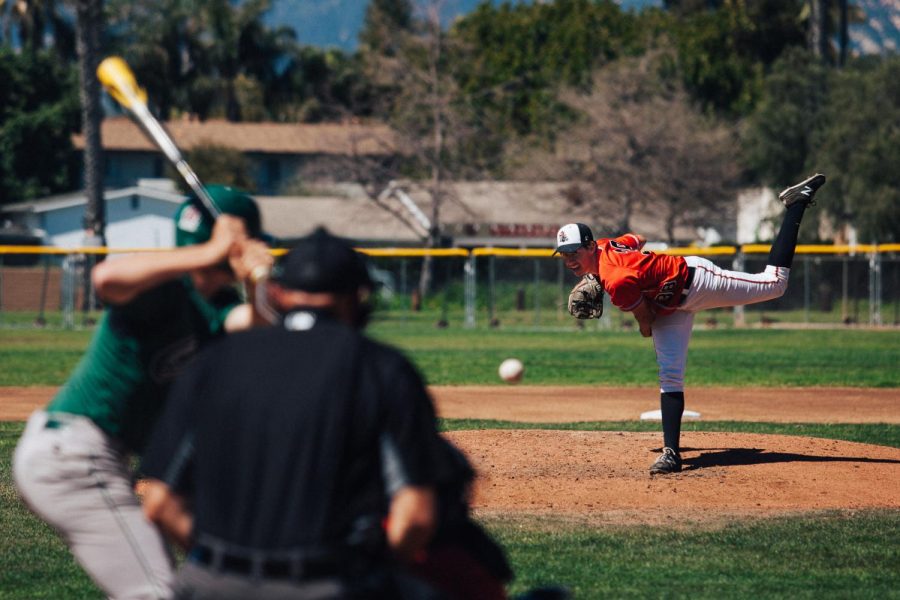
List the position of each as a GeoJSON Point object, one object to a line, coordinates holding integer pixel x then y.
{"type": "Point", "coordinates": [844, 554]}
{"type": "Point", "coordinates": [456, 356]}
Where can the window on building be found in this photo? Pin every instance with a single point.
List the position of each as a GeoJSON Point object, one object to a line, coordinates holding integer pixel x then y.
{"type": "Point", "coordinates": [135, 202]}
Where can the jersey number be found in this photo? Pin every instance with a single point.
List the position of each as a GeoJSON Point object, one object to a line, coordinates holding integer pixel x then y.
{"type": "Point", "coordinates": [666, 292]}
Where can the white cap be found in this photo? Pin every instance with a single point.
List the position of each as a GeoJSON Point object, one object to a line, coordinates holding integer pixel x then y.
{"type": "Point", "coordinates": [573, 236]}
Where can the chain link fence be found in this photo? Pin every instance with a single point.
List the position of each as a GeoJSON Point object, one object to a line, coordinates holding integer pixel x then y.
{"type": "Point", "coordinates": [831, 286]}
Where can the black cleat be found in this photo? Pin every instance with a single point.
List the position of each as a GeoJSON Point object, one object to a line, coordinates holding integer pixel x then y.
{"type": "Point", "coordinates": [803, 191]}
{"type": "Point", "coordinates": [668, 462]}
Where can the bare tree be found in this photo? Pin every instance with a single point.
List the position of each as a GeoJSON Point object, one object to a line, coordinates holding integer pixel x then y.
{"type": "Point", "coordinates": [427, 116]}
{"type": "Point", "coordinates": [638, 145]}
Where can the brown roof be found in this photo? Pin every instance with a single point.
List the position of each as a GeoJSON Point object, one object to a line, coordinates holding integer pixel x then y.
{"type": "Point", "coordinates": [120, 133]}
{"type": "Point", "coordinates": [480, 212]}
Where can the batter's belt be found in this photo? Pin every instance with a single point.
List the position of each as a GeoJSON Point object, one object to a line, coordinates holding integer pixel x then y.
{"type": "Point", "coordinates": [290, 565]}
{"type": "Point", "coordinates": [297, 568]}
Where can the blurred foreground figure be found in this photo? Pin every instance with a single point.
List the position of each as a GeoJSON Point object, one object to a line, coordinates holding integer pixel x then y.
{"type": "Point", "coordinates": [72, 466]}
{"type": "Point", "coordinates": [302, 460]}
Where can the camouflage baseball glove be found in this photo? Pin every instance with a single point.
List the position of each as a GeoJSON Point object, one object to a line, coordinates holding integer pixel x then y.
{"type": "Point", "coordinates": [586, 299]}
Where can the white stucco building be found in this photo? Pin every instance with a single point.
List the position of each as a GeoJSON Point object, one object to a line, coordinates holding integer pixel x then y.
{"type": "Point", "coordinates": [136, 217]}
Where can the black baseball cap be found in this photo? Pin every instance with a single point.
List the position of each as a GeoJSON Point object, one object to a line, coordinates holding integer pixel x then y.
{"type": "Point", "coordinates": [572, 236]}
{"type": "Point", "coordinates": [322, 262]}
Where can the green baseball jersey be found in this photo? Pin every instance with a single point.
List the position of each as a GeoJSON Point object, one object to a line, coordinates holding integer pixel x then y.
{"type": "Point", "coordinates": [139, 348]}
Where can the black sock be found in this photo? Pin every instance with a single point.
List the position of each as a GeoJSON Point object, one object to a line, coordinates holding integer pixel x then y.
{"type": "Point", "coordinates": [782, 252]}
{"type": "Point", "coordinates": [672, 407]}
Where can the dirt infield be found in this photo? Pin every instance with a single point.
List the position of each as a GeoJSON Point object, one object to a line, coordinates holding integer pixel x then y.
{"type": "Point", "coordinates": [603, 476]}
{"type": "Point", "coordinates": [545, 404]}
{"type": "Point", "coordinates": [549, 404]}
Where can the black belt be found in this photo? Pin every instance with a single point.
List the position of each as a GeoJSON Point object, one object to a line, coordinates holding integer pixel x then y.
{"type": "Point", "coordinates": [690, 278]}
{"type": "Point", "coordinates": [295, 568]}
{"type": "Point", "coordinates": [687, 285]}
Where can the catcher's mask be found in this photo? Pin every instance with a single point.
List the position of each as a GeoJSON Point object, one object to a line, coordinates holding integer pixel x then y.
{"type": "Point", "coordinates": [573, 236]}
{"type": "Point", "coordinates": [322, 262]}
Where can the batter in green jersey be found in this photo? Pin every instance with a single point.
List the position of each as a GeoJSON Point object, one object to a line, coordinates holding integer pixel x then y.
{"type": "Point", "coordinates": [135, 354]}
{"type": "Point", "coordinates": [73, 464]}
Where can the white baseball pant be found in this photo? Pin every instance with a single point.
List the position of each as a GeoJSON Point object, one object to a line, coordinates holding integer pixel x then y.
{"type": "Point", "coordinates": [712, 287]}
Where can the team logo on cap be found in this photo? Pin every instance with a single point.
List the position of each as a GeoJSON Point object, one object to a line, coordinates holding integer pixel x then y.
{"type": "Point", "coordinates": [562, 236]}
{"type": "Point", "coordinates": [190, 219]}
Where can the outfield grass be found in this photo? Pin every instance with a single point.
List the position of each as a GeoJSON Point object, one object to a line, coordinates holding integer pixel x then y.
{"type": "Point", "coordinates": [35, 562]}
{"type": "Point", "coordinates": [40, 357]}
{"type": "Point", "coordinates": [855, 358]}
{"type": "Point", "coordinates": [838, 555]}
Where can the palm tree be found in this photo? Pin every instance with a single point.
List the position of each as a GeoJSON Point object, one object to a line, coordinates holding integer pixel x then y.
{"type": "Point", "coordinates": [159, 39]}
{"type": "Point", "coordinates": [238, 44]}
{"type": "Point", "coordinates": [33, 20]}
{"type": "Point", "coordinates": [194, 56]}
{"type": "Point", "coordinates": [89, 14]}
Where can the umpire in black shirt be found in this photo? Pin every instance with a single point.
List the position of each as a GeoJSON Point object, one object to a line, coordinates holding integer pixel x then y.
{"type": "Point", "coordinates": [300, 460]}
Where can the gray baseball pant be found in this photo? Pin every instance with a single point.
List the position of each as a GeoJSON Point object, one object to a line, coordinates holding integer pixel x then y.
{"type": "Point", "coordinates": [76, 478]}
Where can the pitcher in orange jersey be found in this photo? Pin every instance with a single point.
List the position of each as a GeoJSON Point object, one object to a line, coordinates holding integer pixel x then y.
{"type": "Point", "coordinates": [663, 292]}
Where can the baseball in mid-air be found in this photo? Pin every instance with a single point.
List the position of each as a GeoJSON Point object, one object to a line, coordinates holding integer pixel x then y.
{"type": "Point", "coordinates": [511, 370]}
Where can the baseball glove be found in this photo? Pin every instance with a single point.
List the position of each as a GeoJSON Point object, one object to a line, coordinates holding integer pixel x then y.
{"type": "Point", "coordinates": [586, 299]}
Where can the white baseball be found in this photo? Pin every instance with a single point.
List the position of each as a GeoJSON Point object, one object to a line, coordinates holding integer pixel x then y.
{"type": "Point", "coordinates": [511, 370]}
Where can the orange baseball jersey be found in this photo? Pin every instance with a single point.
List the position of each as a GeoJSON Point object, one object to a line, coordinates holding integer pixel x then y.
{"type": "Point", "coordinates": [629, 274]}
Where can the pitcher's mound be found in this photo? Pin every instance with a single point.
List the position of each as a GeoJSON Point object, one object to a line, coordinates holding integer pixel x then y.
{"type": "Point", "coordinates": [605, 474]}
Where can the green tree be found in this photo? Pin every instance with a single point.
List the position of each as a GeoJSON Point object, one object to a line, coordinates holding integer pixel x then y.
{"type": "Point", "coordinates": [38, 114]}
{"type": "Point", "coordinates": [159, 39]}
{"type": "Point", "coordinates": [219, 164]}
{"type": "Point", "coordinates": [724, 53]}
{"type": "Point", "coordinates": [777, 139]}
{"type": "Point", "coordinates": [858, 146]}
{"type": "Point", "coordinates": [39, 24]}
{"type": "Point", "coordinates": [235, 42]}
{"type": "Point", "coordinates": [521, 53]}
{"type": "Point", "coordinates": [207, 57]}
{"type": "Point", "coordinates": [383, 19]}
{"type": "Point", "coordinates": [317, 85]}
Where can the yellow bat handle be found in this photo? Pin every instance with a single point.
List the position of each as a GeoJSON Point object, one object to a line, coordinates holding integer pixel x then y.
{"type": "Point", "coordinates": [116, 76]}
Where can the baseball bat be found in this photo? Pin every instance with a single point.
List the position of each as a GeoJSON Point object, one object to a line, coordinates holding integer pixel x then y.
{"type": "Point", "coordinates": [118, 79]}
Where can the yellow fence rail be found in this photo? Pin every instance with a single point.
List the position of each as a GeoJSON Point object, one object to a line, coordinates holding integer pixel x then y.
{"type": "Point", "coordinates": [839, 249]}
{"type": "Point", "coordinates": [833, 284]}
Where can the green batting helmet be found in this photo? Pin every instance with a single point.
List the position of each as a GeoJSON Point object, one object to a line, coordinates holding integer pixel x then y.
{"type": "Point", "coordinates": [194, 223]}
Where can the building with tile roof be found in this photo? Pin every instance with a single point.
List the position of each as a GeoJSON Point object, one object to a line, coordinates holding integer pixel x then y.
{"type": "Point", "coordinates": [279, 153]}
